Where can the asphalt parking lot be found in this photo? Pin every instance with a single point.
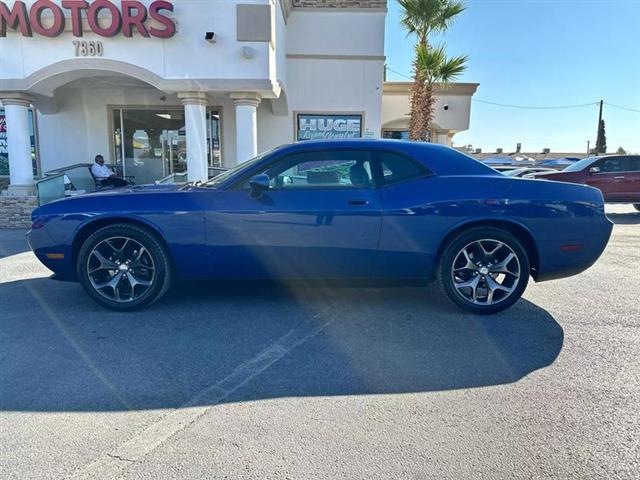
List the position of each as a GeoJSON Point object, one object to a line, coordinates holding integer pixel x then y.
{"type": "Point", "coordinates": [322, 382]}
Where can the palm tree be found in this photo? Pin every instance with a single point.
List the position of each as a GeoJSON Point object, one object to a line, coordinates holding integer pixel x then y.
{"type": "Point", "coordinates": [434, 67]}
{"type": "Point", "coordinates": [422, 18]}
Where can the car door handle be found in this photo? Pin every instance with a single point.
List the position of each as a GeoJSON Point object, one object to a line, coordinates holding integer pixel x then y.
{"type": "Point", "coordinates": [358, 201]}
{"type": "Point", "coordinates": [618, 178]}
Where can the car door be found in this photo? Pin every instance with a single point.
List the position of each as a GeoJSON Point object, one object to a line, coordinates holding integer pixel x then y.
{"type": "Point", "coordinates": [618, 178]}
{"type": "Point", "coordinates": [603, 175]}
{"type": "Point", "coordinates": [319, 217]}
{"type": "Point", "coordinates": [626, 186]}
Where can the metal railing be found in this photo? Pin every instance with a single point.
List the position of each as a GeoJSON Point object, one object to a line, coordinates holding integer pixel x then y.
{"type": "Point", "coordinates": [173, 178]}
{"type": "Point", "coordinates": [182, 176]}
{"type": "Point", "coordinates": [77, 179]}
{"type": "Point", "coordinates": [65, 182]}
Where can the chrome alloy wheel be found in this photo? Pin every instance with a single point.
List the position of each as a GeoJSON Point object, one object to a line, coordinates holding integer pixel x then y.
{"type": "Point", "coordinates": [120, 269]}
{"type": "Point", "coordinates": [486, 272]}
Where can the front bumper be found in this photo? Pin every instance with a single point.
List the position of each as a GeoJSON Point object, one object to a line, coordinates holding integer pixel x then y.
{"type": "Point", "coordinates": [55, 256]}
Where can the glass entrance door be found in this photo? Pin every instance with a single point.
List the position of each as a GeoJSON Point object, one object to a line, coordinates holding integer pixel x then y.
{"type": "Point", "coordinates": [150, 144]}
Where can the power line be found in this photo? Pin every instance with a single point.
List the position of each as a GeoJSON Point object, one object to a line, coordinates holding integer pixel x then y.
{"type": "Point", "coordinates": [398, 73]}
{"type": "Point", "coordinates": [534, 107]}
{"type": "Point", "coordinates": [622, 108]}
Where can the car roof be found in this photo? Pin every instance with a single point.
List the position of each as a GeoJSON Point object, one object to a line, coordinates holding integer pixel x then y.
{"type": "Point", "coordinates": [441, 159]}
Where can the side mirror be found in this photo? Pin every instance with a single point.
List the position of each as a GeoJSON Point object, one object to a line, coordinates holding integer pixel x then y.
{"type": "Point", "coordinates": [259, 184]}
{"type": "Point", "coordinates": [593, 170]}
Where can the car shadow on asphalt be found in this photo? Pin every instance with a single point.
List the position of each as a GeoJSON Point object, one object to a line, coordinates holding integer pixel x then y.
{"type": "Point", "coordinates": [625, 218]}
{"type": "Point", "coordinates": [13, 241]}
{"type": "Point", "coordinates": [61, 352]}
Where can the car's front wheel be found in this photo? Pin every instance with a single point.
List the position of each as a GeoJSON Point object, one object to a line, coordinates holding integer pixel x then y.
{"type": "Point", "coordinates": [484, 270]}
{"type": "Point", "coordinates": [124, 267]}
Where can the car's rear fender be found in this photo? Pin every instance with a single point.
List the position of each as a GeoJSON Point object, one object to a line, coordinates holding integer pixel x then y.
{"type": "Point", "coordinates": [549, 218]}
{"type": "Point", "coordinates": [520, 231]}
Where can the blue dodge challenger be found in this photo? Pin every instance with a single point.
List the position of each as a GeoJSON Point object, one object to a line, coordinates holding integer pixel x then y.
{"type": "Point", "coordinates": [348, 209]}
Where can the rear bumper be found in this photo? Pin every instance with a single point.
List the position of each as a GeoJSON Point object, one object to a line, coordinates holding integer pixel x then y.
{"type": "Point", "coordinates": [562, 258]}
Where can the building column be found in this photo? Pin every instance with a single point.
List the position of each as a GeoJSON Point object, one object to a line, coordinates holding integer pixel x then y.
{"type": "Point", "coordinates": [246, 125]}
{"type": "Point", "coordinates": [16, 111]}
{"type": "Point", "coordinates": [195, 118]}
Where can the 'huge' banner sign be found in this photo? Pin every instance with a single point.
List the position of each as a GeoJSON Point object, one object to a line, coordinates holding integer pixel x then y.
{"type": "Point", "coordinates": [130, 16]}
{"type": "Point", "coordinates": [330, 126]}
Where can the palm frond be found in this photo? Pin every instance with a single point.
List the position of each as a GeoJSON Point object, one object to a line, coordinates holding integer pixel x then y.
{"type": "Point", "coordinates": [421, 17]}
{"type": "Point", "coordinates": [450, 12]}
{"type": "Point", "coordinates": [434, 66]}
{"type": "Point", "coordinates": [452, 68]}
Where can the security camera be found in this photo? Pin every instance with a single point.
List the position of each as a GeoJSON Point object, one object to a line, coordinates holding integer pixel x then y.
{"type": "Point", "coordinates": [445, 107]}
{"type": "Point", "coordinates": [249, 52]}
{"type": "Point", "coordinates": [210, 37]}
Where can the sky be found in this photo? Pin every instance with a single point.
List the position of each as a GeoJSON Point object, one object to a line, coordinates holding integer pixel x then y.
{"type": "Point", "coordinates": [542, 53]}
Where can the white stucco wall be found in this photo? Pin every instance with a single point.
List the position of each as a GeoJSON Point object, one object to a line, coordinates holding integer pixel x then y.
{"type": "Point", "coordinates": [334, 64]}
{"type": "Point", "coordinates": [184, 56]}
{"type": "Point", "coordinates": [395, 107]}
{"type": "Point", "coordinates": [335, 85]}
{"type": "Point", "coordinates": [336, 32]}
{"type": "Point", "coordinates": [324, 62]}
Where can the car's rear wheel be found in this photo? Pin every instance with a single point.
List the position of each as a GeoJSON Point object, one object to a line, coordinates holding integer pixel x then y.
{"type": "Point", "coordinates": [636, 206]}
{"type": "Point", "coordinates": [484, 270]}
{"type": "Point", "coordinates": [124, 267]}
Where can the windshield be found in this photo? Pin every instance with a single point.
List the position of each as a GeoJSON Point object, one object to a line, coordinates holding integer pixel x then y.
{"type": "Point", "coordinates": [215, 181]}
{"type": "Point", "coordinates": [580, 165]}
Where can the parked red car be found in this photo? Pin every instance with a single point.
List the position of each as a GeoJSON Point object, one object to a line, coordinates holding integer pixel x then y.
{"type": "Point", "coordinates": [617, 176]}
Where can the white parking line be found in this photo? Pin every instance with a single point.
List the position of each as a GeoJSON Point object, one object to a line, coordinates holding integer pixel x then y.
{"type": "Point", "coordinates": [114, 463]}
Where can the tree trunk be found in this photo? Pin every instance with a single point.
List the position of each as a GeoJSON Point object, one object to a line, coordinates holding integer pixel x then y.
{"type": "Point", "coordinates": [418, 119]}
{"type": "Point", "coordinates": [418, 122]}
{"type": "Point", "coordinates": [429, 111]}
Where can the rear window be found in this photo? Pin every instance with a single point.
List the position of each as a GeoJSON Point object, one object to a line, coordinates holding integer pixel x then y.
{"type": "Point", "coordinates": [631, 164]}
{"type": "Point", "coordinates": [396, 168]}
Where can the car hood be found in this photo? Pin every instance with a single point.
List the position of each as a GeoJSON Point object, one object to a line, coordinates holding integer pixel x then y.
{"type": "Point", "coordinates": [88, 201]}
{"type": "Point", "coordinates": [134, 189]}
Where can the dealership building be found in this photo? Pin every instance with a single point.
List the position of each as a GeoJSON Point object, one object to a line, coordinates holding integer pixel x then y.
{"type": "Point", "coordinates": [162, 87]}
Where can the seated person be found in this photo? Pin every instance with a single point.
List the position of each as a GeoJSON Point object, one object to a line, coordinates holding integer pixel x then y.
{"type": "Point", "coordinates": [104, 175]}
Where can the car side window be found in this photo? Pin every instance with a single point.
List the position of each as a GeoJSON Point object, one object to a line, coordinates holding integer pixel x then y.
{"type": "Point", "coordinates": [396, 168]}
{"type": "Point", "coordinates": [321, 169]}
{"type": "Point", "coordinates": [631, 163]}
{"type": "Point", "coordinates": [612, 165]}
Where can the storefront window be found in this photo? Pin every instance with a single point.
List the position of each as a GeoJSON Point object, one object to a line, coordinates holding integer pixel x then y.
{"type": "Point", "coordinates": [4, 151]}
{"type": "Point", "coordinates": [396, 134]}
{"type": "Point", "coordinates": [400, 134]}
{"type": "Point", "coordinates": [327, 126]}
{"type": "Point", "coordinates": [151, 144]}
{"type": "Point", "coordinates": [214, 148]}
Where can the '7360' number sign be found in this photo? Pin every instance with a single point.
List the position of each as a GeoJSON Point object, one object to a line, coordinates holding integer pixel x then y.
{"type": "Point", "coordinates": [88, 49]}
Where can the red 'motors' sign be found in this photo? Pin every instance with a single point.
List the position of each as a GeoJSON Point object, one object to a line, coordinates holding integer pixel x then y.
{"type": "Point", "coordinates": [131, 16]}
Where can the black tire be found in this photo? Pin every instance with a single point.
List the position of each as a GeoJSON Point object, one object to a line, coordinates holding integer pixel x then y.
{"type": "Point", "coordinates": [469, 239]}
{"type": "Point", "coordinates": [154, 266]}
{"type": "Point", "coordinates": [636, 206]}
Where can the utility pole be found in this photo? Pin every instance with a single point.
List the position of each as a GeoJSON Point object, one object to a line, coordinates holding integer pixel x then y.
{"type": "Point", "coordinates": [598, 129]}
{"type": "Point", "coordinates": [588, 147]}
